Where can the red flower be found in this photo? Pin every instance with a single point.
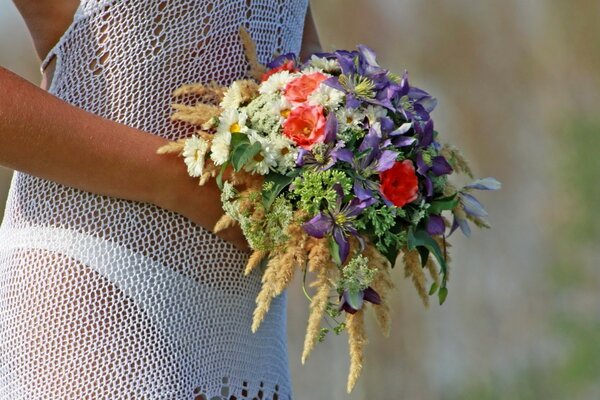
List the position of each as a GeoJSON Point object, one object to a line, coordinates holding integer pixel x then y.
{"type": "Point", "coordinates": [286, 66]}
{"type": "Point", "coordinates": [399, 184]}
{"type": "Point", "coordinates": [305, 126]}
{"type": "Point", "coordinates": [298, 90]}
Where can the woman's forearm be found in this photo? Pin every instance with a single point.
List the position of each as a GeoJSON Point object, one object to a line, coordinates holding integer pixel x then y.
{"type": "Point", "coordinates": [46, 137]}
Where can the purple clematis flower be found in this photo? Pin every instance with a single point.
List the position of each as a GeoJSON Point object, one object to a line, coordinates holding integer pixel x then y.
{"type": "Point", "coordinates": [339, 222]}
{"type": "Point", "coordinates": [471, 206]}
{"type": "Point", "coordinates": [352, 304]}
{"type": "Point", "coordinates": [414, 103]}
{"type": "Point", "coordinates": [371, 160]}
{"type": "Point", "coordinates": [439, 166]}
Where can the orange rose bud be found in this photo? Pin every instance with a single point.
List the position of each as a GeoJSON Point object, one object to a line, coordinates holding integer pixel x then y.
{"type": "Point", "coordinates": [298, 90]}
{"type": "Point", "coordinates": [399, 184]}
{"type": "Point", "coordinates": [305, 126]}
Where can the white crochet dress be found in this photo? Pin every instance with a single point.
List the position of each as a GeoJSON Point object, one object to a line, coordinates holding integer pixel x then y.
{"type": "Point", "coordinates": [102, 298]}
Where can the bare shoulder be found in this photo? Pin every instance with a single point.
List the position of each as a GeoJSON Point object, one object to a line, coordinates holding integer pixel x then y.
{"type": "Point", "coordinates": [46, 20]}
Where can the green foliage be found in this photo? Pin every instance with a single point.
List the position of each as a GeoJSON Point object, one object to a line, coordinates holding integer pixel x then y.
{"type": "Point", "coordinates": [314, 189]}
{"type": "Point", "coordinates": [389, 237]}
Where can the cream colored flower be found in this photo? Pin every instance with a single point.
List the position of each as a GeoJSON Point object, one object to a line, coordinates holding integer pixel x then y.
{"type": "Point", "coordinates": [232, 97]}
{"type": "Point", "coordinates": [324, 64]}
{"type": "Point", "coordinates": [194, 153]}
{"type": "Point", "coordinates": [350, 118]}
{"type": "Point", "coordinates": [326, 96]}
{"type": "Point", "coordinates": [219, 149]}
{"type": "Point", "coordinates": [375, 113]}
{"type": "Point", "coordinates": [284, 152]}
{"type": "Point", "coordinates": [264, 160]}
{"type": "Point", "coordinates": [276, 82]}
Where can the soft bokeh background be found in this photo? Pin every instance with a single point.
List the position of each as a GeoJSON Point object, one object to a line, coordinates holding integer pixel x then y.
{"type": "Point", "coordinates": [518, 87]}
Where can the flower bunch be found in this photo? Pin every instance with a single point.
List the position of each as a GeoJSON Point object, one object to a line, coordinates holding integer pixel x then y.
{"type": "Point", "coordinates": [337, 170]}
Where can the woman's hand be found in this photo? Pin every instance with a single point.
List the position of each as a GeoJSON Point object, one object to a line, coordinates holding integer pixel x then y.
{"type": "Point", "coordinates": [178, 192]}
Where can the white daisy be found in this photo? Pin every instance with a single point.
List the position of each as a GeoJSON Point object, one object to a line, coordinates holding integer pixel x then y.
{"type": "Point", "coordinates": [264, 159]}
{"type": "Point", "coordinates": [281, 108]}
{"type": "Point", "coordinates": [232, 121]}
{"type": "Point", "coordinates": [350, 118]}
{"type": "Point", "coordinates": [276, 82]}
{"type": "Point", "coordinates": [219, 149]}
{"type": "Point", "coordinates": [324, 64]}
{"type": "Point", "coordinates": [194, 153]}
{"type": "Point", "coordinates": [326, 96]}
{"type": "Point", "coordinates": [232, 97]}
{"type": "Point", "coordinates": [284, 151]}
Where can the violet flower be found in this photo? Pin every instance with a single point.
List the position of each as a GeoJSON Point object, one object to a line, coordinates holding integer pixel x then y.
{"type": "Point", "coordinates": [471, 206]}
{"type": "Point", "coordinates": [322, 156]}
{"type": "Point", "coordinates": [339, 222]}
{"type": "Point", "coordinates": [352, 304]}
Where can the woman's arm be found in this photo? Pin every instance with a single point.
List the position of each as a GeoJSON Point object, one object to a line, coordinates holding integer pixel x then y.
{"type": "Point", "coordinates": [310, 37]}
{"type": "Point", "coordinates": [46, 137]}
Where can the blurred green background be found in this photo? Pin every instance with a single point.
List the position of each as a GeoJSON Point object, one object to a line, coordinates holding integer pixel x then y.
{"type": "Point", "coordinates": [518, 87]}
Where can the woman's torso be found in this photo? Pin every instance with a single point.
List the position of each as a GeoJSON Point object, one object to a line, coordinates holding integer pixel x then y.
{"type": "Point", "coordinates": [122, 59]}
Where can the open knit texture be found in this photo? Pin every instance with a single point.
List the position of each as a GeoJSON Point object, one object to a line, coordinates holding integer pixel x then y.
{"type": "Point", "coordinates": [102, 298]}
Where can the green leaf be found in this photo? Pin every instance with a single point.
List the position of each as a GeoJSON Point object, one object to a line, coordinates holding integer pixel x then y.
{"type": "Point", "coordinates": [242, 153]}
{"type": "Point", "coordinates": [237, 139]}
{"type": "Point", "coordinates": [433, 288]}
{"type": "Point", "coordinates": [280, 182]}
{"type": "Point", "coordinates": [220, 176]}
{"type": "Point", "coordinates": [335, 251]}
{"type": "Point", "coordinates": [422, 238]}
{"type": "Point", "coordinates": [442, 294]}
{"type": "Point", "coordinates": [391, 253]}
{"type": "Point", "coordinates": [424, 253]}
{"type": "Point", "coordinates": [446, 203]}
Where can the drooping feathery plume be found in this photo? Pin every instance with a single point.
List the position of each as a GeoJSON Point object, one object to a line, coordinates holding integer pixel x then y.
{"type": "Point", "coordinates": [197, 114]}
{"type": "Point", "coordinates": [267, 292]}
{"type": "Point", "coordinates": [211, 93]}
{"type": "Point", "coordinates": [459, 162]}
{"type": "Point", "coordinates": [413, 270]}
{"type": "Point", "coordinates": [318, 305]}
{"type": "Point", "coordinates": [175, 147]}
{"type": "Point", "coordinates": [256, 68]}
{"type": "Point", "coordinates": [433, 270]}
{"type": "Point", "coordinates": [357, 339]}
{"type": "Point", "coordinates": [382, 284]}
{"type": "Point", "coordinates": [254, 261]}
{"type": "Point", "coordinates": [223, 223]}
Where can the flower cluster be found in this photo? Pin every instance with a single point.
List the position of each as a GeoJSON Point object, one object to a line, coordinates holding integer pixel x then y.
{"type": "Point", "coordinates": [342, 171]}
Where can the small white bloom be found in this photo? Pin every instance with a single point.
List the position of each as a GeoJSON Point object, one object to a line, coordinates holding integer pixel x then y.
{"type": "Point", "coordinates": [350, 118]}
{"type": "Point", "coordinates": [219, 149]}
{"type": "Point", "coordinates": [324, 64]}
{"type": "Point", "coordinates": [326, 96]}
{"type": "Point", "coordinates": [276, 82]}
{"type": "Point", "coordinates": [264, 159]}
{"type": "Point", "coordinates": [284, 152]}
{"type": "Point", "coordinates": [194, 153]}
{"type": "Point", "coordinates": [280, 108]}
{"type": "Point", "coordinates": [232, 121]}
{"type": "Point", "coordinates": [232, 97]}
{"type": "Point", "coordinates": [375, 113]}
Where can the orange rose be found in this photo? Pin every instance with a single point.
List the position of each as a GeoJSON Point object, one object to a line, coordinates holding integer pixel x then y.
{"type": "Point", "coordinates": [399, 184]}
{"type": "Point", "coordinates": [298, 90]}
{"type": "Point", "coordinates": [305, 126]}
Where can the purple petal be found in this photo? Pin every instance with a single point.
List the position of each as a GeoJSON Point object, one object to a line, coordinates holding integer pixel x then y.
{"type": "Point", "coordinates": [331, 128]}
{"type": "Point", "coordinates": [426, 133]}
{"type": "Point", "coordinates": [403, 141]}
{"type": "Point", "coordinates": [300, 158]}
{"type": "Point", "coordinates": [334, 83]}
{"type": "Point", "coordinates": [386, 160]}
{"type": "Point", "coordinates": [351, 101]}
{"type": "Point", "coordinates": [342, 242]}
{"type": "Point", "coordinates": [371, 140]}
{"type": "Point", "coordinates": [361, 191]}
{"type": "Point", "coordinates": [422, 166]}
{"type": "Point", "coordinates": [428, 186]}
{"type": "Point", "coordinates": [435, 225]}
{"type": "Point", "coordinates": [340, 196]}
{"type": "Point", "coordinates": [356, 206]}
{"type": "Point", "coordinates": [371, 295]}
{"type": "Point", "coordinates": [279, 61]}
{"type": "Point", "coordinates": [440, 166]}
{"type": "Point", "coordinates": [368, 54]}
{"type": "Point", "coordinates": [464, 226]}
{"type": "Point", "coordinates": [318, 226]}
{"type": "Point", "coordinates": [404, 86]}
{"type": "Point", "coordinates": [472, 206]}
{"type": "Point", "coordinates": [485, 184]}
{"type": "Point", "coordinates": [344, 154]}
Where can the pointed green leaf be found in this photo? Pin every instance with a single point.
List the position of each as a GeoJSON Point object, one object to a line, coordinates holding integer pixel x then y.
{"type": "Point", "coordinates": [442, 294]}
{"type": "Point", "coordinates": [433, 288]}
{"type": "Point", "coordinates": [242, 153]}
{"type": "Point", "coordinates": [446, 203]}
{"type": "Point", "coordinates": [422, 238]}
{"type": "Point", "coordinates": [280, 182]}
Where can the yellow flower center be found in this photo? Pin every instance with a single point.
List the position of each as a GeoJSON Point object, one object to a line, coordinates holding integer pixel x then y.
{"type": "Point", "coordinates": [340, 219]}
{"type": "Point", "coordinates": [285, 113]}
{"type": "Point", "coordinates": [259, 157]}
{"type": "Point", "coordinates": [235, 128]}
{"type": "Point", "coordinates": [306, 131]}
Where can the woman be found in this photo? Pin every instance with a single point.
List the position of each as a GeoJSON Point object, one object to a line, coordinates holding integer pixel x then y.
{"type": "Point", "coordinates": [111, 285]}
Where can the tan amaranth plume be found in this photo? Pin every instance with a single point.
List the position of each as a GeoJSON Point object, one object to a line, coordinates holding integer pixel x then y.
{"type": "Point", "coordinates": [382, 284]}
{"type": "Point", "coordinates": [413, 270]}
{"type": "Point", "coordinates": [256, 68]}
{"type": "Point", "coordinates": [357, 339]}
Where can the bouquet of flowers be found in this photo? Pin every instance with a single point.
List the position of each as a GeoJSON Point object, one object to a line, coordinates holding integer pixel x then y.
{"type": "Point", "coordinates": [336, 170]}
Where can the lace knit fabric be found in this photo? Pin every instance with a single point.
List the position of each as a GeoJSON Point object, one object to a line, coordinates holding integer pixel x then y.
{"type": "Point", "coordinates": [102, 298]}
